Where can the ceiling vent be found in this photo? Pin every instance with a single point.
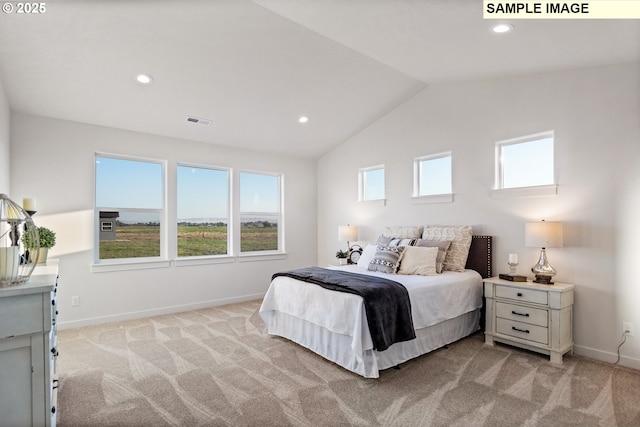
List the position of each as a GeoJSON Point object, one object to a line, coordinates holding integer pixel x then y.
{"type": "Point", "coordinates": [203, 122]}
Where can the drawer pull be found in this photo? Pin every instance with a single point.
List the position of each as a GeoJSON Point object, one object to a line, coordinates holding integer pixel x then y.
{"type": "Point", "coordinates": [519, 294]}
{"type": "Point", "coordinates": [526, 331]}
{"type": "Point", "coordinates": [519, 314]}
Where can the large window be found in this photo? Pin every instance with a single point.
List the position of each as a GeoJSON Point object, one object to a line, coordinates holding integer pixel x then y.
{"type": "Point", "coordinates": [260, 212]}
{"type": "Point", "coordinates": [130, 208]}
{"type": "Point", "coordinates": [525, 162]}
{"type": "Point", "coordinates": [203, 211]}
{"type": "Point", "coordinates": [371, 183]}
{"type": "Point", "coordinates": [432, 175]}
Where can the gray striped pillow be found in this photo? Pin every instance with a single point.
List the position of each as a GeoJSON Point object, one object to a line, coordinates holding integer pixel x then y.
{"type": "Point", "coordinates": [387, 259]}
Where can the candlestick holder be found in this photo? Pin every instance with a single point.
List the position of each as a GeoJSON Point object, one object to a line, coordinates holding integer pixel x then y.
{"type": "Point", "coordinates": [512, 267]}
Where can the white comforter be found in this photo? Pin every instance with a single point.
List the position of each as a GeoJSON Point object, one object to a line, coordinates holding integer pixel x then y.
{"type": "Point", "coordinates": [433, 300]}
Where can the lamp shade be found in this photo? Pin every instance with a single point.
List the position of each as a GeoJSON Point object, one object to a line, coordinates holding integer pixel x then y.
{"type": "Point", "coordinates": [543, 234]}
{"type": "Point", "coordinates": [347, 233]}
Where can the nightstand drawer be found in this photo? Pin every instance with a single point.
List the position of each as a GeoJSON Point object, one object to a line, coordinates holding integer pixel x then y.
{"type": "Point", "coordinates": [525, 295]}
{"type": "Point", "coordinates": [522, 330]}
{"type": "Point", "coordinates": [520, 313]}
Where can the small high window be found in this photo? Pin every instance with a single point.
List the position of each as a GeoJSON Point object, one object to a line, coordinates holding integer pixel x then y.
{"type": "Point", "coordinates": [525, 162]}
{"type": "Point", "coordinates": [371, 183]}
{"type": "Point", "coordinates": [432, 175]}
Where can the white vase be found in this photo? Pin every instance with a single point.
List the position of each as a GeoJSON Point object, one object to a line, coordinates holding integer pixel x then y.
{"type": "Point", "coordinates": [342, 261]}
{"type": "Point", "coordinates": [42, 255]}
{"type": "Point", "coordinates": [9, 262]}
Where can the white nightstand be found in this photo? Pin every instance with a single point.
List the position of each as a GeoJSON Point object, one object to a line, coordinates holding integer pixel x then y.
{"type": "Point", "coordinates": [530, 315]}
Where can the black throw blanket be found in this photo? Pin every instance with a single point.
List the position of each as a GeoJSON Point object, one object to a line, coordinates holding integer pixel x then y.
{"type": "Point", "coordinates": [386, 302]}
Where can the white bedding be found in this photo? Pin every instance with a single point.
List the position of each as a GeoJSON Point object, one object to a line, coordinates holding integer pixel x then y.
{"type": "Point", "coordinates": [340, 317]}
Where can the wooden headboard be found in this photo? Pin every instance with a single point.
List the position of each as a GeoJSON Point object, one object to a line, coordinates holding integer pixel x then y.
{"type": "Point", "coordinates": [480, 255]}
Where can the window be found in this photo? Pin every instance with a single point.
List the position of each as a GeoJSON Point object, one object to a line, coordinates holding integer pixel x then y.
{"type": "Point", "coordinates": [371, 183]}
{"type": "Point", "coordinates": [130, 195]}
{"type": "Point", "coordinates": [260, 212]}
{"type": "Point", "coordinates": [525, 162]}
{"type": "Point", "coordinates": [432, 175]}
{"type": "Point", "coordinates": [202, 211]}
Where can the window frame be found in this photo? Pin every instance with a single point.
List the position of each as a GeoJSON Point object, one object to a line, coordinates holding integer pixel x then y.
{"type": "Point", "coordinates": [114, 264]}
{"type": "Point", "coordinates": [499, 162]}
{"type": "Point", "coordinates": [418, 173]}
{"type": "Point", "coordinates": [257, 255]}
{"type": "Point", "coordinates": [362, 183]}
{"type": "Point", "coordinates": [184, 260]}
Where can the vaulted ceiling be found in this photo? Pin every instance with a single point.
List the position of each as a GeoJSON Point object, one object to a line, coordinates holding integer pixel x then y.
{"type": "Point", "coordinates": [254, 67]}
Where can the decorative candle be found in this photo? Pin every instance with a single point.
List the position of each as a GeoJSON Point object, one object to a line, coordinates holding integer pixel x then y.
{"type": "Point", "coordinates": [513, 258]}
{"type": "Point", "coordinates": [29, 204]}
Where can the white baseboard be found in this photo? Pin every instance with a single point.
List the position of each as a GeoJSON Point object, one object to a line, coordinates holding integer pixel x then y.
{"type": "Point", "coordinates": [605, 356]}
{"type": "Point", "coordinates": [155, 312]}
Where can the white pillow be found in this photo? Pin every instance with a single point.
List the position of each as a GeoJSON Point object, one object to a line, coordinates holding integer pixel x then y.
{"type": "Point", "coordinates": [419, 260]}
{"type": "Point", "coordinates": [403, 232]}
{"type": "Point", "coordinates": [367, 255]}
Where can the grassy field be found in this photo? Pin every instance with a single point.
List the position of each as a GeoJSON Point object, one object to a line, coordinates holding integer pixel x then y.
{"type": "Point", "coordinates": [137, 241]}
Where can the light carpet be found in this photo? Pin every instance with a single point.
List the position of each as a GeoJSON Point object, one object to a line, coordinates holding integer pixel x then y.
{"type": "Point", "coordinates": [218, 367]}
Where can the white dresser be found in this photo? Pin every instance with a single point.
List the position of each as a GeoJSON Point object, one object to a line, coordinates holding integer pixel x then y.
{"type": "Point", "coordinates": [28, 382]}
{"type": "Point", "coordinates": [529, 315]}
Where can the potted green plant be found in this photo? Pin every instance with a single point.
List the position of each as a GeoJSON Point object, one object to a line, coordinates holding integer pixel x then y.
{"type": "Point", "coordinates": [47, 239]}
{"type": "Point", "coordinates": [342, 256]}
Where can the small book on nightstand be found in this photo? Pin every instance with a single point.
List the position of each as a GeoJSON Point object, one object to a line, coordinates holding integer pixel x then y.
{"type": "Point", "coordinates": [513, 277]}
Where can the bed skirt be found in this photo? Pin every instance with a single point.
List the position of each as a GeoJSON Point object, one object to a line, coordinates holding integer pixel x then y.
{"type": "Point", "coordinates": [337, 347]}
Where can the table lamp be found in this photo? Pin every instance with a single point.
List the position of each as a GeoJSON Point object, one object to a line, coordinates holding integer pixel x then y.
{"type": "Point", "coordinates": [543, 235]}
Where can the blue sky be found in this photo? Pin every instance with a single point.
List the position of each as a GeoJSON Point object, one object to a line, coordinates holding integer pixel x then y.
{"type": "Point", "coordinates": [528, 163]}
{"type": "Point", "coordinates": [202, 192]}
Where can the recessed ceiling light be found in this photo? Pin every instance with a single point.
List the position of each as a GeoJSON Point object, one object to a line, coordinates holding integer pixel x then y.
{"type": "Point", "coordinates": [144, 79]}
{"type": "Point", "coordinates": [502, 28]}
{"type": "Point", "coordinates": [303, 119]}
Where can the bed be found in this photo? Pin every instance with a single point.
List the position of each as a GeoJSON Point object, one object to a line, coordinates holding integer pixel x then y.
{"type": "Point", "coordinates": [445, 307]}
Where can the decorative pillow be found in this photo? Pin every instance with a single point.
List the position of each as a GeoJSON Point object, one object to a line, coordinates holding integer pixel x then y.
{"type": "Point", "coordinates": [383, 241]}
{"type": "Point", "coordinates": [403, 232]}
{"type": "Point", "coordinates": [460, 236]}
{"type": "Point", "coordinates": [367, 255]}
{"type": "Point", "coordinates": [419, 260]}
{"type": "Point", "coordinates": [402, 242]}
{"type": "Point", "coordinates": [443, 247]}
{"type": "Point", "coordinates": [387, 259]}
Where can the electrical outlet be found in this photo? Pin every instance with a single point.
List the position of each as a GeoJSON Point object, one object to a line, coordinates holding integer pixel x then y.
{"type": "Point", "coordinates": [75, 300]}
{"type": "Point", "coordinates": [627, 328]}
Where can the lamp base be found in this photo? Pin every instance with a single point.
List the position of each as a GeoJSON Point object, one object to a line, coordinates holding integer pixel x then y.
{"type": "Point", "coordinates": [545, 280]}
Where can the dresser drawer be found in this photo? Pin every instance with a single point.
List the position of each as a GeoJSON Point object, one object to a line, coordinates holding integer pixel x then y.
{"type": "Point", "coordinates": [22, 315]}
{"type": "Point", "coordinates": [524, 295]}
{"type": "Point", "coordinates": [522, 330]}
{"type": "Point", "coordinates": [520, 313]}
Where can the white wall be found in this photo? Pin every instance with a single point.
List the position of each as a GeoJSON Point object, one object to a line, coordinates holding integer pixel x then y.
{"type": "Point", "coordinates": [5, 116]}
{"type": "Point", "coordinates": [52, 161]}
{"type": "Point", "coordinates": [596, 119]}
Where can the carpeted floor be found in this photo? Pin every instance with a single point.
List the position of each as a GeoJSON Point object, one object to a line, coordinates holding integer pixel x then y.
{"type": "Point", "coordinates": [217, 366]}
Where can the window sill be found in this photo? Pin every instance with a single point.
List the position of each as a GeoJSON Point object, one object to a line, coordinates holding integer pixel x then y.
{"type": "Point", "coordinates": [204, 260]}
{"type": "Point", "coordinates": [130, 265]}
{"type": "Point", "coordinates": [542, 190]}
{"type": "Point", "coordinates": [256, 256]}
{"type": "Point", "coordinates": [436, 198]}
